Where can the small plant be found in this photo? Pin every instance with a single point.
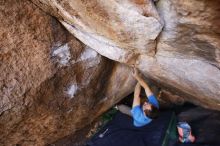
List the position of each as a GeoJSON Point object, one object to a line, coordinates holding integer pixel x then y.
{"type": "Point", "coordinates": [102, 121]}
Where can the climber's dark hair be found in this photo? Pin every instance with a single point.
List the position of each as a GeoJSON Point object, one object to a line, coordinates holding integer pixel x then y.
{"type": "Point", "coordinates": [153, 113]}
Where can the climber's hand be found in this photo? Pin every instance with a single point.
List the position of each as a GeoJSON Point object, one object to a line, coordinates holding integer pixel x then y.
{"type": "Point", "coordinates": [135, 72]}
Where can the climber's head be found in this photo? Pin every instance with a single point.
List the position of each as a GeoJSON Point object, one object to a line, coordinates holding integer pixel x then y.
{"type": "Point", "coordinates": [150, 110]}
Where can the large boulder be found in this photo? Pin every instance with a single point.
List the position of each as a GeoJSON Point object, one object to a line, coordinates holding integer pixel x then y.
{"type": "Point", "coordinates": [182, 58]}
{"type": "Point", "coordinates": [119, 30]}
{"type": "Point", "coordinates": [188, 50]}
{"type": "Point", "coordinates": [51, 83]}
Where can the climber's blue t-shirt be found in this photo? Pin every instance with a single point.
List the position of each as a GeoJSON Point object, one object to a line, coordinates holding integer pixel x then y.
{"type": "Point", "coordinates": [138, 115]}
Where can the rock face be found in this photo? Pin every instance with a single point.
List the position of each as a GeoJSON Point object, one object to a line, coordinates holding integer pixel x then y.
{"type": "Point", "coordinates": [185, 58]}
{"type": "Point", "coordinates": [52, 84]}
{"type": "Point", "coordinates": [188, 50]}
{"type": "Point", "coordinates": [120, 30]}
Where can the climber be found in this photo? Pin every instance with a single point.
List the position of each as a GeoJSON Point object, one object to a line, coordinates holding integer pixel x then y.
{"type": "Point", "coordinates": [142, 114]}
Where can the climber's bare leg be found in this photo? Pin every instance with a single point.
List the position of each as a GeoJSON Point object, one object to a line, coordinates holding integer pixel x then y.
{"type": "Point", "coordinates": [124, 109]}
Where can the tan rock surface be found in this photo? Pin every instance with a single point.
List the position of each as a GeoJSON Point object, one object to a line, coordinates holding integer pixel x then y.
{"type": "Point", "coordinates": [186, 54]}
{"type": "Point", "coordinates": [120, 30]}
{"type": "Point", "coordinates": [50, 83]}
{"type": "Point", "coordinates": [188, 50]}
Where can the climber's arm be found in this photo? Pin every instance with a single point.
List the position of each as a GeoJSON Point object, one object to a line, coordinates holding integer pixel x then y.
{"type": "Point", "coordinates": [152, 99]}
{"type": "Point", "coordinates": [142, 83]}
{"type": "Point", "coordinates": [136, 100]}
